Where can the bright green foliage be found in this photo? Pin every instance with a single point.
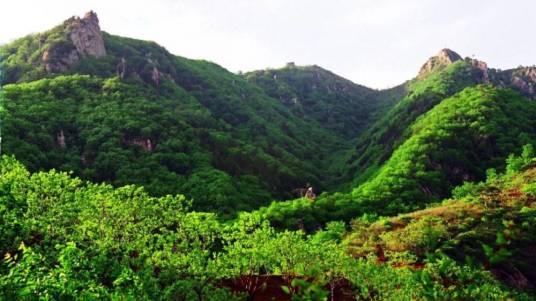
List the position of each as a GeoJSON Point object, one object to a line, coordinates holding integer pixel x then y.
{"type": "Point", "coordinates": [199, 130]}
{"type": "Point", "coordinates": [492, 225]}
{"type": "Point", "coordinates": [435, 158]}
{"type": "Point", "coordinates": [378, 142]}
{"type": "Point", "coordinates": [107, 126]}
{"type": "Point", "coordinates": [21, 59]}
{"type": "Point", "coordinates": [230, 143]}
{"type": "Point", "coordinates": [67, 239]}
{"type": "Point", "coordinates": [458, 140]}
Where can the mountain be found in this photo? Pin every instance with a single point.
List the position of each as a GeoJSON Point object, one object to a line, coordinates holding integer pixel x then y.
{"type": "Point", "coordinates": [441, 76]}
{"type": "Point", "coordinates": [453, 124]}
{"type": "Point", "coordinates": [132, 173]}
{"type": "Point", "coordinates": [127, 111]}
{"type": "Point", "coordinates": [312, 92]}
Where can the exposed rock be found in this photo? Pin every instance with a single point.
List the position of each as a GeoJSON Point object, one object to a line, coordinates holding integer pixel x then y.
{"type": "Point", "coordinates": [522, 79]}
{"type": "Point", "coordinates": [121, 68]}
{"type": "Point", "coordinates": [145, 143]}
{"type": "Point", "coordinates": [60, 139]}
{"type": "Point", "coordinates": [84, 39]}
{"type": "Point", "coordinates": [155, 76]}
{"type": "Point", "coordinates": [443, 58]}
{"type": "Point", "coordinates": [86, 36]}
{"type": "Point", "coordinates": [482, 66]}
{"type": "Point", "coordinates": [525, 79]}
{"type": "Point", "coordinates": [55, 62]}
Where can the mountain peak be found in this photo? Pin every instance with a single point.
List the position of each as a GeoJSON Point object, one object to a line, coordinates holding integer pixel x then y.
{"type": "Point", "coordinates": [91, 17]}
{"type": "Point", "coordinates": [84, 38]}
{"type": "Point", "coordinates": [443, 58]}
{"type": "Point", "coordinates": [448, 54]}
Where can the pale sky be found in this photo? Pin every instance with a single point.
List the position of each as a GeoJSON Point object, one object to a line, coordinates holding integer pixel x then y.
{"type": "Point", "coordinates": [377, 43]}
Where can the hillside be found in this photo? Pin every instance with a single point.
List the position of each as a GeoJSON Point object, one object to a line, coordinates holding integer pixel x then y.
{"type": "Point", "coordinates": [145, 116]}
{"type": "Point", "coordinates": [130, 173]}
{"type": "Point", "coordinates": [455, 141]}
{"type": "Point", "coordinates": [315, 93]}
{"type": "Point", "coordinates": [491, 223]}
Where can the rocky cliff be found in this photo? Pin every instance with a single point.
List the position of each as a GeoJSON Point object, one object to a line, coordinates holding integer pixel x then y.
{"type": "Point", "coordinates": [443, 58]}
{"type": "Point", "coordinates": [83, 39]}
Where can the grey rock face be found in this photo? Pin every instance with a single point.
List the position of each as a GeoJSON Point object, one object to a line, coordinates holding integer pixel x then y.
{"type": "Point", "coordinates": [84, 39]}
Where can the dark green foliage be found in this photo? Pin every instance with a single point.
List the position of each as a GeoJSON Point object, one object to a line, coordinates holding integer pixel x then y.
{"type": "Point", "coordinates": [215, 137]}
{"type": "Point", "coordinates": [231, 143]}
{"type": "Point", "coordinates": [319, 95]}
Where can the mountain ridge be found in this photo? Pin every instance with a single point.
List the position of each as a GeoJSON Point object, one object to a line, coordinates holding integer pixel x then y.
{"type": "Point", "coordinates": [129, 172]}
{"type": "Point", "coordinates": [337, 132]}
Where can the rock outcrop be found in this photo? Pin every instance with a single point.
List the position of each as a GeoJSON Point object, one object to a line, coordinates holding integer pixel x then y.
{"type": "Point", "coordinates": [83, 39]}
{"type": "Point", "coordinates": [443, 58]}
{"type": "Point", "coordinates": [145, 143]}
{"type": "Point", "coordinates": [483, 67]}
{"type": "Point", "coordinates": [524, 79]}
{"type": "Point", "coordinates": [60, 139]}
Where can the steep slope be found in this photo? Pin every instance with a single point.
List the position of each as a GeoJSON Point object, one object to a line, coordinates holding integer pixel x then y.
{"type": "Point", "coordinates": [490, 222]}
{"type": "Point", "coordinates": [522, 79]}
{"type": "Point", "coordinates": [317, 94]}
{"type": "Point", "coordinates": [148, 117]}
{"type": "Point", "coordinates": [455, 141]}
{"type": "Point", "coordinates": [440, 77]}
{"type": "Point", "coordinates": [53, 51]}
{"type": "Point", "coordinates": [435, 82]}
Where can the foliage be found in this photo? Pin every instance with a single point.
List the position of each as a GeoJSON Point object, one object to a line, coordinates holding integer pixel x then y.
{"type": "Point", "coordinates": [107, 126]}
{"type": "Point", "coordinates": [315, 93]}
{"type": "Point", "coordinates": [155, 126]}
{"type": "Point", "coordinates": [76, 240]}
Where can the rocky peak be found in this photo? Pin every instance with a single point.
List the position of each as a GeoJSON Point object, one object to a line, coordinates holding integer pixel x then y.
{"type": "Point", "coordinates": [483, 67]}
{"type": "Point", "coordinates": [443, 58]}
{"type": "Point", "coordinates": [524, 80]}
{"type": "Point", "coordinates": [83, 38]}
{"type": "Point", "coordinates": [87, 37]}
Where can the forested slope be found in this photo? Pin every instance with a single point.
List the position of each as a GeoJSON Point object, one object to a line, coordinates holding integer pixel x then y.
{"type": "Point", "coordinates": [133, 173]}
{"type": "Point", "coordinates": [319, 95]}
{"type": "Point", "coordinates": [455, 141]}
{"type": "Point", "coordinates": [148, 117]}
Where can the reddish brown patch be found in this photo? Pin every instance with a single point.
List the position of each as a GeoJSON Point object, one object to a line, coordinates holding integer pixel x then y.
{"type": "Point", "coordinates": [380, 254]}
{"type": "Point", "coordinates": [271, 288]}
{"type": "Point", "coordinates": [414, 266]}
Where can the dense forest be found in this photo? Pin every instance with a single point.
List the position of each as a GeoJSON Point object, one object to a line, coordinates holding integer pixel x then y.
{"type": "Point", "coordinates": [130, 173]}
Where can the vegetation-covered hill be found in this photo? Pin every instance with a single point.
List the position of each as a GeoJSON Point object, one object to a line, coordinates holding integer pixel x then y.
{"type": "Point", "coordinates": [315, 93]}
{"type": "Point", "coordinates": [145, 116]}
{"type": "Point", "coordinates": [490, 222]}
{"type": "Point", "coordinates": [455, 141]}
{"type": "Point", "coordinates": [183, 148]}
{"type": "Point", "coordinates": [377, 144]}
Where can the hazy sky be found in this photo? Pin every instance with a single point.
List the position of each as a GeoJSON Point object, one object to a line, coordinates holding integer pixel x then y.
{"type": "Point", "coordinates": [378, 43]}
